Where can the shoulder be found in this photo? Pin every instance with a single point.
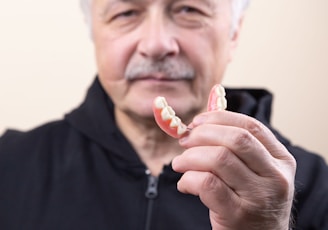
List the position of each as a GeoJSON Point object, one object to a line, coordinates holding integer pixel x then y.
{"type": "Point", "coordinates": [28, 158]}
{"type": "Point", "coordinates": [24, 150]}
{"type": "Point", "coordinates": [311, 189]}
{"type": "Point", "coordinates": [15, 140]}
{"type": "Point", "coordinates": [310, 209]}
{"type": "Point", "coordinates": [311, 168]}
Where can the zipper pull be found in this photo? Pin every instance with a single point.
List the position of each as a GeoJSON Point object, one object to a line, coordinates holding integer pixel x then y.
{"type": "Point", "coordinates": [151, 192]}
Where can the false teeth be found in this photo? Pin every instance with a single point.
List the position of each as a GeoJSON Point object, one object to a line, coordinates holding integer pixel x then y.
{"type": "Point", "coordinates": [166, 118]}
{"type": "Point", "coordinates": [217, 100]}
{"type": "Point", "coordinates": [182, 129]}
{"type": "Point", "coordinates": [160, 102]}
{"type": "Point", "coordinates": [167, 113]}
{"type": "Point", "coordinates": [171, 124]}
{"type": "Point", "coordinates": [175, 122]}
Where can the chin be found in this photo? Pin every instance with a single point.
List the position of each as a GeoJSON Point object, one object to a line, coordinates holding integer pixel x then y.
{"type": "Point", "coordinates": [142, 108]}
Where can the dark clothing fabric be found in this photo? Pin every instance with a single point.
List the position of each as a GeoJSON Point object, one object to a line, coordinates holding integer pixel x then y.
{"type": "Point", "coordinates": [82, 173]}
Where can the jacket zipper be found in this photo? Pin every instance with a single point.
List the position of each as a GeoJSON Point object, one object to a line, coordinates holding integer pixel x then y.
{"type": "Point", "coordinates": [151, 193]}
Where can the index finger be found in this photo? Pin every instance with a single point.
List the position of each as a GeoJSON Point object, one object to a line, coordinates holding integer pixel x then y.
{"type": "Point", "coordinates": [253, 126]}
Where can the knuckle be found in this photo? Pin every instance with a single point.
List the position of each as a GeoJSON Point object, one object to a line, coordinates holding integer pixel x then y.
{"type": "Point", "coordinates": [290, 166]}
{"type": "Point", "coordinates": [223, 158]}
{"type": "Point", "coordinates": [293, 163]}
{"type": "Point", "coordinates": [284, 183]}
{"type": "Point", "coordinates": [283, 188]}
{"type": "Point", "coordinates": [210, 182]}
{"type": "Point", "coordinates": [274, 193]}
{"type": "Point", "coordinates": [243, 139]}
{"type": "Point", "coordinates": [254, 127]}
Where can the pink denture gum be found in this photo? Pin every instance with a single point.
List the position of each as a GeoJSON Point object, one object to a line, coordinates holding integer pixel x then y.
{"type": "Point", "coordinates": [171, 124]}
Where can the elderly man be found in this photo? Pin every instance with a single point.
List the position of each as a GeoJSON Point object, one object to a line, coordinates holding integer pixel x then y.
{"type": "Point", "coordinates": [107, 164]}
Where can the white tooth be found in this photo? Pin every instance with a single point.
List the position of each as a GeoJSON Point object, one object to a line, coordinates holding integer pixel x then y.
{"type": "Point", "coordinates": [160, 102]}
{"type": "Point", "coordinates": [181, 129]}
{"type": "Point", "coordinates": [220, 91]}
{"type": "Point", "coordinates": [224, 102]}
{"type": "Point", "coordinates": [167, 113]}
{"type": "Point", "coordinates": [171, 111]}
{"type": "Point", "coordinates": [221, 103]}
{"type": "Point", "coordinates": [175, 122]}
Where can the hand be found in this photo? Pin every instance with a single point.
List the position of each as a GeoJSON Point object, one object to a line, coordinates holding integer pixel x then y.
{"type": "Point", "coordinates": [240, 171]}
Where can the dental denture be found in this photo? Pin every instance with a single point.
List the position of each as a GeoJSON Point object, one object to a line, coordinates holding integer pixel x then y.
{"type": "Point", "coordinates": [217, 99]}
{"type": "Point", "coordinates": [166, 119]}
{"type": "Point", "coordinates": [171, 124]}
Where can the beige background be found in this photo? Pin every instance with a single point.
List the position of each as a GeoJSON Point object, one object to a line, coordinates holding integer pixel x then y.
{"type": "Point", "coordinates": [46, 63]}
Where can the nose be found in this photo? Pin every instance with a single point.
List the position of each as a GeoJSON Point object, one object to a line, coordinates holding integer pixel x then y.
{"type": "Point", "coordinates": [157, 41]}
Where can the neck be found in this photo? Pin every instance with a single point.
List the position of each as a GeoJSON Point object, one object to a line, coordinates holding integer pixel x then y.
{"type": "Point", "coordinates": [154, 147]}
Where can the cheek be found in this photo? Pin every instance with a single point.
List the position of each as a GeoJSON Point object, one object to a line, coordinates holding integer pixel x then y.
{"type": "Point", "coordinates": [111, 62]}
{"type": "Point", "coordinates": [112, 54]}
{"type": "Point", "coordinates": [219, 54]}
{"type": "Point", "coordinates": [110, 59]}
{"type": "Point", "coordinates": [207, 58]}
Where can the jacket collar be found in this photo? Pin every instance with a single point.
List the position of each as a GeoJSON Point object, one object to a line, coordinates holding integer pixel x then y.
{"type": "Point", "coordinates": [94, 118]}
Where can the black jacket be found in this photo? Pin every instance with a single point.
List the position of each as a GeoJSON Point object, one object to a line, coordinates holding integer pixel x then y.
{"type": "Point", "coordinates": [82, 173]}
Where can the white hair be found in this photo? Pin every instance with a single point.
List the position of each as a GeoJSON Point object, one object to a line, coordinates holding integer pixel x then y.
{"type": "Point", "coordinates": [86, 8]}
{"type": "Point", "coordinates": [238, 7]}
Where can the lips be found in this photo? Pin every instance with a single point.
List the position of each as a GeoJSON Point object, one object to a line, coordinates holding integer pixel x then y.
{"type": "Point", "coordinates": [158, 77]}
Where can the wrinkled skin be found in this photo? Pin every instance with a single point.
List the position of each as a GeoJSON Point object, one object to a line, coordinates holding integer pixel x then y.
{"type": "Point", "coordinates": [239, 170]}
{"type": "Point", "coordinates": [128, 33]}
{"type": "Point", "coordinates": [232, 162]}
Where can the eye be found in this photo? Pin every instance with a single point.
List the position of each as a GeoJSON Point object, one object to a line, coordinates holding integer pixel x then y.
{"type": "Point", "coordinates": [190, 15]}
{"type": "Point", "coordinates": [126, 14]}
{"type": "Point", "coordinates": [188, 10]}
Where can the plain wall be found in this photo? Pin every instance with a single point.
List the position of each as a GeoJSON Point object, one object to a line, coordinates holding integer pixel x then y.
{"type": "Point", "coordinates": [47, 63]}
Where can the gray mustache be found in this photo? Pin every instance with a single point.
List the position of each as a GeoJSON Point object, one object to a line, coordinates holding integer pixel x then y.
{"type": "Point", "coordinates": [175, 69]}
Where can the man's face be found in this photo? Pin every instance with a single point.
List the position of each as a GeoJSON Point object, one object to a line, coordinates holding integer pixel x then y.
{"type": "Point", "coordinates": [173, 48]}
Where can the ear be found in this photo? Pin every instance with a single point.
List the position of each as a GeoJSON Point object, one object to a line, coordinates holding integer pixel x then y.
{"type": "Point", "coordinates": [235, 36]}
